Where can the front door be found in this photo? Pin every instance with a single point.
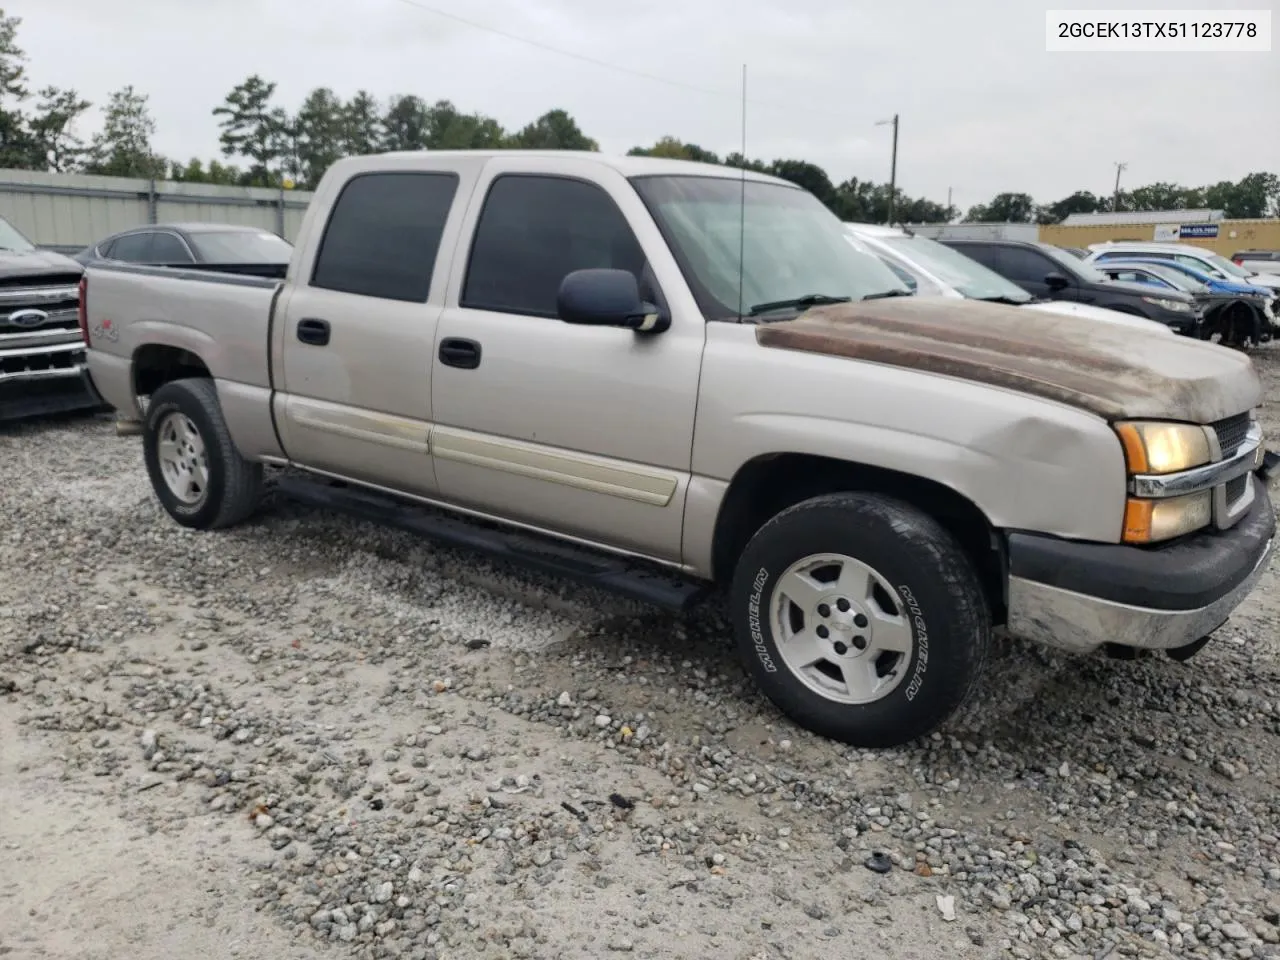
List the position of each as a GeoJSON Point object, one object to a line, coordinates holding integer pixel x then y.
{"type": "Point", "coordinates": [586, 431]}
{"type": "Point", "coordinates": [355, 337]}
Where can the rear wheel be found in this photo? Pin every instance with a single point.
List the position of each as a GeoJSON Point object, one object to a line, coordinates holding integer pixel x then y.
{"type": "Point", "coordinates": [861, 618]}
{"type": "Point", "coordinates": [198, 475]}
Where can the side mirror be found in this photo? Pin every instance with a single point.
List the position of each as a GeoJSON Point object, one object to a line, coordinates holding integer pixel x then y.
{"type": "Point", "coordinates": [602, 297]}
{"type": "Point", "coordinates": [1056, 281]}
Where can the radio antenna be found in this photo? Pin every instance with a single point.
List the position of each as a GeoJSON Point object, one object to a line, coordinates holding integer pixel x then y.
{"type": "Point", "coordinates": [742, 200]}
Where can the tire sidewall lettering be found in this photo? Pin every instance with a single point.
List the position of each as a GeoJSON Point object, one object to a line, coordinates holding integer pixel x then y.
{"type": "Point", "coordinates": [921, 630]}
{"type": "Point", "coordinates": [758, 641]}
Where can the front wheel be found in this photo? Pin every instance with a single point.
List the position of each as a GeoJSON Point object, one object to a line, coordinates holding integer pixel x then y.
{"type": "Point", "coordinates": [196, 471]}
{"type": "Point", "coordinates": [861, 618]}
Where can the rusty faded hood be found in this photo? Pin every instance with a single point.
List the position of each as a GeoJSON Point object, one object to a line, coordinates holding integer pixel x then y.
{"type": "Point", "coordinates": [1111, 370]}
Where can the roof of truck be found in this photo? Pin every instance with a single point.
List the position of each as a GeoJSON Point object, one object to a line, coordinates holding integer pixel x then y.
{"type": "Point", "coordinates": [627, 166]}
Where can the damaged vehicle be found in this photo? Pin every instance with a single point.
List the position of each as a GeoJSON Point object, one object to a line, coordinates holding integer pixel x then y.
{"type": "Point", "coordinates": [42, 362]}
{"type": "Point", "coordinates": [657, 377]}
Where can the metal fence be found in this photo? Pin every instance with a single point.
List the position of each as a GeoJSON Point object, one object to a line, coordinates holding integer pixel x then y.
{"type": "Point", "coordinates": [68, 212]}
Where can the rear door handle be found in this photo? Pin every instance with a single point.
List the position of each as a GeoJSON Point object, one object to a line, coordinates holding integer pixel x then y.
{"type": "Point", "coordinates": [313, 331]}
{"type": "Point", "coordinates": [457, 352]}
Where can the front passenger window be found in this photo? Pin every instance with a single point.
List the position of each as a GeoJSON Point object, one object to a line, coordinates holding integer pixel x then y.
{"type": "Point", "coordinates": [535, 230]}
{"type": "Point", "coordinates": [132, 248]}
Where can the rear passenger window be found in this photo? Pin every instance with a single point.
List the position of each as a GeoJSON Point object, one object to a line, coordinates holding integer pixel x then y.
{"type": "Point", "coordinates": [533, 232]}
{"type": "Point", "coordinates": [132, 248]}
{"type": "Point", "coordinates": [167, 249]}
{"type": "Point", "coordinates": [383, 235]}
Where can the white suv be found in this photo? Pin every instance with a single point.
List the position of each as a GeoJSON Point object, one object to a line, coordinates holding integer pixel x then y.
{"type": "Point", "coordinates": [932, 269]}
{"type": "Point", "coordinates": [1201, 259]}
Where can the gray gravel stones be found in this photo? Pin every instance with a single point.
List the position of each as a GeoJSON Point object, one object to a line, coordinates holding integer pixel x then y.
{"type": "Point", "coordinates": [599, 779]}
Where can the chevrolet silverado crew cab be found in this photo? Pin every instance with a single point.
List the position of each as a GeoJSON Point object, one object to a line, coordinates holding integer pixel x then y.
{"type": "Point", "coordinates": [659, 376]}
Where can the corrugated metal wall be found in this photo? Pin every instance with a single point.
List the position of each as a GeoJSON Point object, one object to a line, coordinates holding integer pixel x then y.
{"type": "Point", "coordinates": [71, 211]}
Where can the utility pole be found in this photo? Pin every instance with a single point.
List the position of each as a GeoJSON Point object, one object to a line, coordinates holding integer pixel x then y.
{"type": "Point", "coordinates": [948, 203]}
{"type": "Point", "coordinates": [1115, 200]}
{"type": "Point", "coordinates": [893, 165]}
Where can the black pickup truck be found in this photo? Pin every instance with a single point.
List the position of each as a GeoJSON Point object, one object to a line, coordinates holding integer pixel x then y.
{"type": "Point", "coordinates": [42, 362]}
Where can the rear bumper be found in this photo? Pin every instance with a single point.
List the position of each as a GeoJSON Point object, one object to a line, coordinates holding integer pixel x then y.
{"type": "Point", "coordinates": [1080, 596]}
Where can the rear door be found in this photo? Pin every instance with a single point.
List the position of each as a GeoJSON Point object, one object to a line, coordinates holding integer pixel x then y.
{"type": "Point", "coordinates": [353, 333]}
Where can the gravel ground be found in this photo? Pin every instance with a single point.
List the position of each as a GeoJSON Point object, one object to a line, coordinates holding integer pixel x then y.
{"type": "Point", "coordinates": [313, 737]}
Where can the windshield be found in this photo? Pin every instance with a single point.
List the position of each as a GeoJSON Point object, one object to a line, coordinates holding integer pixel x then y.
{"type": "Point", "coordinates": [240, 246]}
{"type": "Point", "coordinates": [11, 239]}
{"type": "Point", "coordinates": [965, 274]}
{"type": "Point", "coordinates": [1176, 277]}
{"type": "Point", "coordinates": [1227, 267]}
{"type": "Point", "coordinates": [1086, 271]}
{"type": "Point", "coordinates": [794, 246]}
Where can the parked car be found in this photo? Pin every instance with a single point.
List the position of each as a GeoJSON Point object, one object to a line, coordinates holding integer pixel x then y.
{"type": "Point", "coordinates": [225, 247]}
{"type": "Point", "coordinates": [933, 269]}
{"type": "Point", "coordinates": [1235, 312]}
{"type": "Point", "coordinates": [1207, 261]}
{"type": "Point", "coordinates": [574, 349]}
{"type": "Point", "coordinates": [1259, 261]}
{"type": "Point", "coordinates": [42, 364]}
{"type": "Point", "coordinates": [1044, 271]}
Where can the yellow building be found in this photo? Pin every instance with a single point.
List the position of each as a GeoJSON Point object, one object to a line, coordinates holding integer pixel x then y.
{"type": "Point", "coordinates": [1201, 228]}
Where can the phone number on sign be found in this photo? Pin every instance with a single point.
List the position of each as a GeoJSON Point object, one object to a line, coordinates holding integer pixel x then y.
{"type": "Point", "coordinates": [1158, 31]}
{"type": "Point", "coordinates": [1146, 29]}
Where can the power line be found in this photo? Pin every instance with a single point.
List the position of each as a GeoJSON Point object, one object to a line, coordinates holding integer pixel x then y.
{"type": "Point", "coordinates": [583, 58]}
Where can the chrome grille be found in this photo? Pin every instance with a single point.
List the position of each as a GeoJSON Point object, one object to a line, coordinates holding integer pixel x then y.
{"type": "Point", "coordinates": [1231, 433]}
{"type": "Point", "coordinates": [39, 329]}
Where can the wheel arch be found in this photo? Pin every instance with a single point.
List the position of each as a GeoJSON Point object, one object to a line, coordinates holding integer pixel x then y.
{"type": "Point", "coordinates": [768, 484]}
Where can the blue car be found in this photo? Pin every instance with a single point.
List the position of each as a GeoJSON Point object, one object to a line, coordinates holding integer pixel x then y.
{"type": "Point", "coordinates": [1221, 300]}
{"type": "Point", "coordinates": [1215, 285]}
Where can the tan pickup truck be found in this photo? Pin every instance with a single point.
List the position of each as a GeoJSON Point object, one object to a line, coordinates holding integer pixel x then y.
{"type": "Point", "coordinates": [658, 376]}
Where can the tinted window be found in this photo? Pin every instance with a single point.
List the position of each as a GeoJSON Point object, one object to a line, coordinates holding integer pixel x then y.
{"type": "Point", "coordinates": [166, 248]}
{"type": "Point", "coordinates": [1025, 266]}
{"type": "Point", "coordinates": [982, 254]}
{"type": "Point", "coordinates": [243, 246]}
{"type": "Point", "coordinates": [383, 235]}
{"type": "Point", "coordinates": [532, 232]}
{"type": "Point", "coordinates": [133, 248]}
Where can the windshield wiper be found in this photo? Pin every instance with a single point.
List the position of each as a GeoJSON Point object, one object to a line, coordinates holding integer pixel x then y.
{"type": "Point", "coordinates": [885, 294]}
{"type": "Point", "coordinates": [1011, 301]}
{"type": "Point", "coordinates": [808, 300]}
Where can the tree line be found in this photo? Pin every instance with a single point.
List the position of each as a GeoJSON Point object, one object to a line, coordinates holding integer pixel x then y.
{"type": "Point", "coordinates": [265, 144]}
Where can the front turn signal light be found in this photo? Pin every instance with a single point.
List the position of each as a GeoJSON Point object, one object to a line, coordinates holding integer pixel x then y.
{"type": "Point", "coordinates": [1152, 521]}
{"type": "Point", "coordinates": [1155, 447]}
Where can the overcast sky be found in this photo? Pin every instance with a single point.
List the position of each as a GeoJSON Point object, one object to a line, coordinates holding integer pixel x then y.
{"type": "Point", "coordinates": [983, 107]}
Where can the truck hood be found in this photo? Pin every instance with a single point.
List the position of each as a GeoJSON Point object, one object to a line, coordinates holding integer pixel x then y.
{"type": "Point", "coordinates": [1109, 369]}
{"type": "Point", "coordinates": [15, 265]}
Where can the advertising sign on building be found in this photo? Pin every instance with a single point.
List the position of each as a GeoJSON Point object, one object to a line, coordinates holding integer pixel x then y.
{"type": "Point", "coordinates": [1199, 231]}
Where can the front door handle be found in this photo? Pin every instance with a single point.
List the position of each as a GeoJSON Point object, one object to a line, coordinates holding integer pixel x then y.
{"type": "Point", "coordinates": [315, 332]}
{"type": "Point", "coordinates": [457, 352]}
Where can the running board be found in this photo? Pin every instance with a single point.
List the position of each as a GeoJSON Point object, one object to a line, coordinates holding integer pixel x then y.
{"type": "Point", "coordinates": [627, 577]}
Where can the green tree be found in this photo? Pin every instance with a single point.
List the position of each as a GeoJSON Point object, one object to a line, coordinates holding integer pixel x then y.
{"type": "Point", "coordinates": [123, 147]}
{"type": "Point", "coordinates": [554, 130]}
{"type": "Point", "coordinates": [449, 129]}
{"type": "Point", "coordinates": [673, 149]}
{"type": "Point", "coordinates": [1082, 201]}
{"type": "Point", "coordinates": [808, 175]}
{"type": "Point", "coordinates": [52, 130]}
{"type": "Point", "coordinates": [1005, 208]}
{"type": "Point", "coordinates": [406, 124]}
{"type": "Point", "coordinates": [17, 147]}
{"type": "Point", "coordinates": [252, 128]}
{"type": "Point", "coordinates": [321, 131]}
{"type": "Point", "coordinates": [362, 130]}
{"type": "Point", "coordinates": [1157, 196]}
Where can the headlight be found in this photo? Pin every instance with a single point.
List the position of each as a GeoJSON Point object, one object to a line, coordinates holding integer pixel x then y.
{"type": "Point", "coordinates": [1155, 447]}
{"type": "Point", "coordinates": [1150, 521]}
{"type": "Point", "coordinates": [1175, 305]}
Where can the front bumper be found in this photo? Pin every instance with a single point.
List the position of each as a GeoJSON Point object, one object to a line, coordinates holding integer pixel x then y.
{"type": "Point", "coordinates": [1080, 596]}
{"type": "Point", "coordinates": [43, 393]}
